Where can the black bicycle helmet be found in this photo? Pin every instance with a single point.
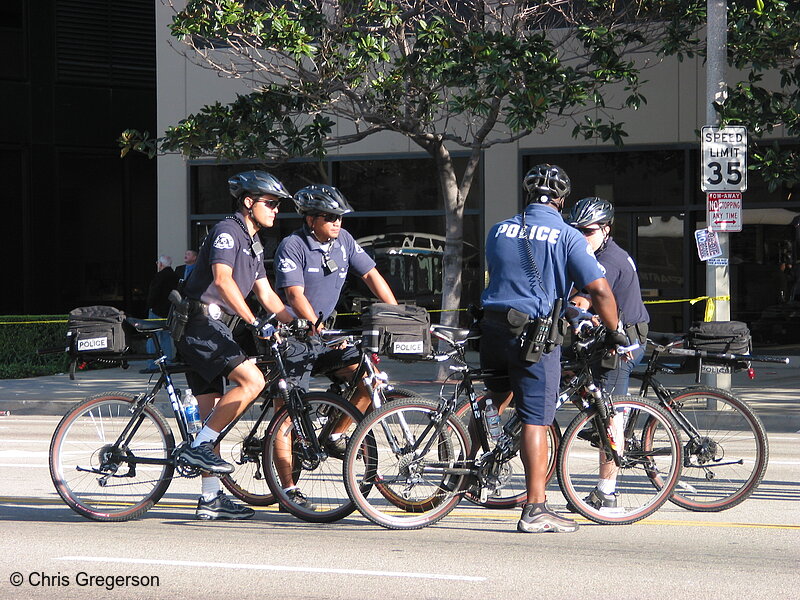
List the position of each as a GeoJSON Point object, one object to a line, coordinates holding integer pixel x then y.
{"type": "Point", "coordinates": [546, 182]}
{"type": "Point", "coordinates": [320, 198]}
{"type": "Point", "coordinates": [256, 183]}
{"type": "Point", "coordinates": [588, 211]}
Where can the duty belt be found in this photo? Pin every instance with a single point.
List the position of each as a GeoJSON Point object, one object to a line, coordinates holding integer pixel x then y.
{"type": "Point", "coordinates": [213, 311]}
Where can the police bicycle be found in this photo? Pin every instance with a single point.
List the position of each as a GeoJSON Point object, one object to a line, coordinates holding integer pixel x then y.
{"type": "Point", "coordinates": [724, 442]}
{"type": "Point", "coordinates": [113, 456]}
{"type": "Point", "coordinates": [421, 451]}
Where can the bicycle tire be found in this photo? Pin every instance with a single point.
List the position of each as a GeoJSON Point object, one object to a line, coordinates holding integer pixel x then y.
{"type": "Point", "coordinates": [248, 482]}
{"type": "Point", "coordinates": [84, 435]}
{"type": "Point", "coordinates": [322, 484]}
{"type": "Point", "coordinates": [712, 481]}
{"type": "Point", "coordinates": [377, 457]}
{"type": "Point", "coordinates": [514, 492]}
{"type": "Point", "coordinates": [578, 463]}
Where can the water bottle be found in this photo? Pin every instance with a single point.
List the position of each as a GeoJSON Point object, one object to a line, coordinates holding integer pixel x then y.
{"type": "Point", "coordinates": [491, 419]}
{"type": "Point", "coordinates": [192, 412]}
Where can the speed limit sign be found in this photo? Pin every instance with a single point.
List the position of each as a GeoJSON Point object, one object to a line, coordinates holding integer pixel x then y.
{"type": "Point", "coordinates": [724, 153]}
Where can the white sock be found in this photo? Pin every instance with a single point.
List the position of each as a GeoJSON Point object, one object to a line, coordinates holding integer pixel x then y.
{"type": "Point", "coordinates": [210, 487]}
{"type": "Point", "coordinates": [206, 434]}
{"type": "Point", "coordinates": [335, 436]}
{"type": "Point", "coordinates": [607, 486]}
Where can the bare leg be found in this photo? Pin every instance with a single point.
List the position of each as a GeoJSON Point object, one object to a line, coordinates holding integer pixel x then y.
{"type": "Point", "coordinates": [534, 456]}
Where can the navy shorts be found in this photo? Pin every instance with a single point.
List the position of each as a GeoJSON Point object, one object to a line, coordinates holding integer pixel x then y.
{"type": "Point", "coordinates": [208, 347]}
{"type": "Point", "coordinates": [535, 385]}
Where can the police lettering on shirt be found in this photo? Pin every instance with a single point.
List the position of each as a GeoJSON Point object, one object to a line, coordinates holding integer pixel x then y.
{"type": "Point", "coordinates": [540, 233]}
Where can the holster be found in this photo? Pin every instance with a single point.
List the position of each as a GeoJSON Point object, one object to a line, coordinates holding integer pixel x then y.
{"type": "Point", "coordinates": [178, 315]}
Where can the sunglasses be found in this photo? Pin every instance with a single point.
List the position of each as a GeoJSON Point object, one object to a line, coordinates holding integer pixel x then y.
{"type": "Point", "coordinates": [589, 230]}
{"type": "Point", "coordinates": [329, 218]}
{"type": "Point", "coordinates": [273, 204]}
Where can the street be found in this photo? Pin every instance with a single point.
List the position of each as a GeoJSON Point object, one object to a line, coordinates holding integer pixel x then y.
{"type": "Point", "coordinates": [752, 550]}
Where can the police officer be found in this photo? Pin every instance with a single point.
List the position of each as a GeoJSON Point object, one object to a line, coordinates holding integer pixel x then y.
{"type": "Point", "coordinates": [593, 218]}
{"type": "Point", "coordinates": [229, 266]}
{"type": "Point", "coordinates": [533, 260]}
{"type": "Point", "coordinates": [312, 265]}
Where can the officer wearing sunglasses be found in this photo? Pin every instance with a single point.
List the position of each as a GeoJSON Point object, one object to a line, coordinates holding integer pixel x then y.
{"type": "Point", "coordinates": [311, 268]}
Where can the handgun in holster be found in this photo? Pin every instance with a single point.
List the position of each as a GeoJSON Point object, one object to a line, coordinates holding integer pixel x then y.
{"type": "Point", "coordinates": [178, 315]}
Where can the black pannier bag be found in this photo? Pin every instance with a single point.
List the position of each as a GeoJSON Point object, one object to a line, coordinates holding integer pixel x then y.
{"type": "Point", "coordinates": [398, 331]}
{"type": "Point", "coordinates": [730, 337]}
{"type": "Point", "coordinates": [96, 331]}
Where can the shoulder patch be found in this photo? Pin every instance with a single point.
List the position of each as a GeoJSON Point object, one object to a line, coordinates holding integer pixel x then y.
{"type": "Point", "coordinates": [224, 241]}
{"type": "Point", "coordinates": [287, 265]}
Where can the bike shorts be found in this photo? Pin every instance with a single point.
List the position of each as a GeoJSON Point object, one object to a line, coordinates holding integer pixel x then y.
{"type": "Point", "coordinates": [535, 385]}
{"type": "Point", "coordinates": [209, 348]}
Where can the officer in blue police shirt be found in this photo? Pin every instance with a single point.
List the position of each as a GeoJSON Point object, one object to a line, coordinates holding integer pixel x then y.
{"type": "Point", "coordinates": [312, 265]}
{"type": "Point", "coordinates": [229, 266]}
{"type": "Point", "coordinates": [533, 259]}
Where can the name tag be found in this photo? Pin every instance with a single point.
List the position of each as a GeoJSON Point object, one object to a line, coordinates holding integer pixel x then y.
{"type": "Point", "coordinates": [313, 270]}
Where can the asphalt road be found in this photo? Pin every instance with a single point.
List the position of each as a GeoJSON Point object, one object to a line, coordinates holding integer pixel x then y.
{"type": "Point", "coordinates": [751, 551]}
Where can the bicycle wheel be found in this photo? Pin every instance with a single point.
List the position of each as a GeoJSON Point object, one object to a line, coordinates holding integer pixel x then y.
{"type": "Point", "coordinates": [242, 447]}
{"type": "Point", "coordinates": [725, 449]}
{"type": "Point", "coordinates": [399, 451]}
{"type": "Point", "coordinates": [319, 478]}
{"type": "Point", "coordinates": [102, 481]}
{"type": "Point", "coordinates": [579, 459]}
{"type": "Point", "coordinates": [513, 491]}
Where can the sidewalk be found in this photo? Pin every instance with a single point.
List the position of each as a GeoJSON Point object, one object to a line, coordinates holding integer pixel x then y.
{"type": "Point", "coordinates": [774, 394]}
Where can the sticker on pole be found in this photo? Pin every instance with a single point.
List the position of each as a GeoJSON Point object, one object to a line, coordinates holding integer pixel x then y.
{"type": "Point", "coordinates": [724, 211]}
{"type": "Point", "coordinates": [707, 244]}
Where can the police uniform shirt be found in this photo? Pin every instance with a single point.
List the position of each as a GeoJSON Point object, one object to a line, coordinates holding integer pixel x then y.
{"type": "Point", "coordinates": [620, 271]}
{"type": "Point", "coordinates": [562, 255]}
{"type": "Point", "coordinates": [226, 244]}
{"type": "Point", "coordinates": [300, 261]}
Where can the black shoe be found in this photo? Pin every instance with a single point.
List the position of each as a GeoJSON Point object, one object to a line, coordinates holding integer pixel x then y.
{"type": "Point", "coordinates": [221, 507]}
{"type": "Point", "coordinates": [597, 500]}
{"type": "Point", "coordinates": [590, 435]}
{"type": "Point", "coordinates": [204, 458]}
{"type": "Point", "coordinates": [542, 520]}
{"type": "Point", "coordinates": [336, 448]}
{"type": "Point", "coordinates": [298, 498]}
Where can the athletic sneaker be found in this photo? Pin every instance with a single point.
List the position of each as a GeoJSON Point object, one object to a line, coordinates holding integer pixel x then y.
{"type": "Point", "coordinates": [298, 498]}
{"type": "Point", "coordinates": [598, 500]}
{"type": "Point", "coordinates": [221, 507]}
{"type": "Point", "coordinates": [336, 448]}
{"type": "Point", "coordinates": [540, 519]}
{"type": "Point", "coordinates": [204, 458]}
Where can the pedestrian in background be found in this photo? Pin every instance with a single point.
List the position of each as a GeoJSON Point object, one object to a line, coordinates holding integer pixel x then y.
{"type": "Point", "coordinates": [161, 285]}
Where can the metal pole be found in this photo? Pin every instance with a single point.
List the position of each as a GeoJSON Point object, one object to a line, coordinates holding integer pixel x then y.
{"type": "Point", "coordinates": [717, 278]}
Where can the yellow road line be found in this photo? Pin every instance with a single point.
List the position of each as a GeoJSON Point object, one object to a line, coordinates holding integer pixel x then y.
{"type": "Point", "coordinates": [504, 515]}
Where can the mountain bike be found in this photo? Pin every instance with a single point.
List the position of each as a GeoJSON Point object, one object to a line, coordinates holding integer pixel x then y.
{"type": "Point", "coordinates": [113, 456]}
{"type": "Point", "coordinates": [248, 482]}
{"type": "Point", "coordinates": [724, 442]}
{"type": "Point", "coordinates": [420, 451]}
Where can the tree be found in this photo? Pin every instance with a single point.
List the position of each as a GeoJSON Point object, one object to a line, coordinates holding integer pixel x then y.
{"type": "Point", "coordinates": [448, 74]}
{"type": "Point", "coordinates": [764, 42]}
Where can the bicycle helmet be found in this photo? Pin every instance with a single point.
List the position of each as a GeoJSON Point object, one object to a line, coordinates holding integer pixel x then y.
{"type": "Point", "coordinates": [256, 183]}
{"type": "Point", "coordinates": [588, 211]}
{"type": "Point", "coordinates": [546, 182]}
{"type": "Point", "coordinates": [321, 198]}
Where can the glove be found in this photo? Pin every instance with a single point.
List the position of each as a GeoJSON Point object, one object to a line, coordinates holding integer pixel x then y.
{"type": "Point", "coordinates": [262, 327]}
{"type": "Point", "coordinates": [615, 339]}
